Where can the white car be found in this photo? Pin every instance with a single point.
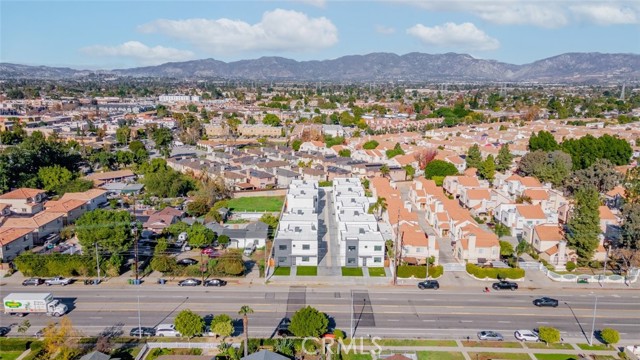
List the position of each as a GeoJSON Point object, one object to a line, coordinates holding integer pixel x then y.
{"type": "Point", "coordinates": [526, 335]}
{"type": "Point", "coordinates": [168, 330]}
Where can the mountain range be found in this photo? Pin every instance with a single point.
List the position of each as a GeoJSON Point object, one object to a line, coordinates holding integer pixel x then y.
{"type": "Point", "coordinates": [412, 67]}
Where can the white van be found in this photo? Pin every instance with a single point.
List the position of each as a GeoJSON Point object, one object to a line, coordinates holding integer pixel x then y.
{"type": "Point", "coordinates": [168, 330]}
{"type": "Point", "coordinates": [249, 249]}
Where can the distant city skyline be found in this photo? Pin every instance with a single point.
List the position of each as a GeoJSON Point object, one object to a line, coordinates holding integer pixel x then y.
{"type": "Point", "coordinates": [120, 34]}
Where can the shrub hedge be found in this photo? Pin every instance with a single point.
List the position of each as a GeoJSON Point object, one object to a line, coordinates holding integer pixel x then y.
{"type": "Point", "coordinates": [494, 273]}
{"type": "Point", "coordinates": [8, 344]}
{"type": "Point", "coordinates": [55, 265]}
{"type": "Point", "coordinates": [407, 271]}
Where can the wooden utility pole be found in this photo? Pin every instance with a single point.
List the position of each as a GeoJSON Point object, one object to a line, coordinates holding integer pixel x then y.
{"type": "Point", "coordinates": [396, 251]}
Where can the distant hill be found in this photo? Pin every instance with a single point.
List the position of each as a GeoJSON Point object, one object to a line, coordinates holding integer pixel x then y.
{"type": "Point", "coordinates": [565, 68]}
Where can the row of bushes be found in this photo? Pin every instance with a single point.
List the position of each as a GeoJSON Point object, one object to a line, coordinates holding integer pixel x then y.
{"type": "Point", "coordinates": [407, 271]}
{"type": "Point", "coordinates": [31, 264]}
{"type": "Point", "coordinates": [494, 273]}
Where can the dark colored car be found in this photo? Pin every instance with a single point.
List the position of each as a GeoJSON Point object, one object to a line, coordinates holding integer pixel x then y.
{"type": "Point", "coordinates": [33, 282]}
{"type": "Point", "coordinates": [215, 282]}
{"type": "Point", "coordinates": [4, 330]}
{"type": "Point", "coordinates": [283, 328]}
{"type": "Point", "coordinates": [142, 331]}
{"type": "Point", "coordinates": [187, 261]}
{"type": "Point", "coordinates": [189, 282]}
{"type": "Point", "coordinates": [545, 301]}
{"type": "Point", "coordinates": [505, 285]}
{"type": "Point", "coordinates": [429, 284]}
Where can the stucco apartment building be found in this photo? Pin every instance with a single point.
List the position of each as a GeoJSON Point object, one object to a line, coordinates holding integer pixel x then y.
{"type": "Point", "coordinates": [13, 241]}
{"type": "Point", "coordinates": [24, 201]}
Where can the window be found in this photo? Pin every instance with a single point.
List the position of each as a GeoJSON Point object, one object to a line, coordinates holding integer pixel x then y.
{"type": "Point", "coordinates": [282, 260]}
{"type": "Point", "coordinates": [377, 259]}
{"type": "Point", "coordinates": [480, 250]}
{"type": "Point", "coordinates": [351, 248]}
{"type": "Point", "coordinates": [305, 259]}
{"type": "Point", "coordinates": [377, 248]}
{"type": "Point", "coordinates": [282, 247]}
{"type": "Point", "coordinates": [306, 247]}
{"type": "Point", "coordinates": [418, 249]}
{"type": "Point", "coordinates": [351, 261]}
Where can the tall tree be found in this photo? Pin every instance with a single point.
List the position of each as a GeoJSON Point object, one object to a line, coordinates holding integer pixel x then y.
{"type": "Point", "coordinates": [584, 226]}
{"type": "Point", "coordinates": [111, 230]}
{"type": "Point", "coordinates": [54, 177]}
{"type": "Point", "coordinates": [163, 138]}
{"type": "Point", "coordinates": [424, 157]}
{"type": "Point", "coordinates": [440, 168]}
{"type": "Point", "coordinates": [487, 168]}
{"type": "Point", "coordinates": [123, 135]}
{"type": "Point", "coordinates": [544, 141]}
{"type": "Point", "coordinates": [474, 157]}
{"type": "Point", "coordinates": [384, 170]}
{"type": "Point", "coordinates": [189, 324]}
{"type": "Point", "coordinates": [309, 322]}
{"type": "Point", "coordinates": [631, 225]}
{"type": "Point", "coordinates": [245, 310]}
{"type": "Point", "coordinates": [410, 172]}
{"type": "Point", "coordinates": [601, 175]}
{"type": "Point", "coordinates": [504, 159]}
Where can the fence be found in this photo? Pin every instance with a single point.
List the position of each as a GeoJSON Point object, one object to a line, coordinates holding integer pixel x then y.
{"type": "Point", "coordinates": [630, 278]}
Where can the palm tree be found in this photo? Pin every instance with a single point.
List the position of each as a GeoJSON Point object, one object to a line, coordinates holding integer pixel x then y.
{"type": "Point", "coordinates": [384, 170]}
{"type": "Point", "coordinates": [381, 206]}
{"type": "Point", "coordinates": [245, 310]}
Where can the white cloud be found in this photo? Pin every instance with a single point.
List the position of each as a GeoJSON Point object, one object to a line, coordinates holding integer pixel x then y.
{"type": "Point", "coordinates": [465, 36]}
{"type": "Point", "coordinates": [278, 30]}
{"type": "Point", "coordinates": [547, 14]}
{"type": "Point", "coordinates": [385, 30]}
{"type": "Point", "coordinates": [140, 52]}
{"type": "Point", "coordinates": [607, 13]}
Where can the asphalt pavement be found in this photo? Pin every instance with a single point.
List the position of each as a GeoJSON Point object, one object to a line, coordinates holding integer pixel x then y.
{"type": "Point", "coordinates": [400, 312]}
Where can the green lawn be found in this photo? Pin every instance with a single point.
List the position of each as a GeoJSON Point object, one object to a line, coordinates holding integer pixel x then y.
{"type": "Point", "coordinates": [257, 203]}
{"type": "Point", "coordinates": [439, 355]}
{"type": "Point", "coordinates": [502, 356]}
{"type": "Point", "coordinates": [282, 271]}
{"type": "Point", "coordinates": [494, 344]}
{"type": "Point", "coordinates": [406, 342]}
{"type": "Point", "coordinates": [376, 272]}
{"type": "Point", "coordinates": [348, 271]}
{"type": "Point", "coordinates": [595, 347]}
{"type": "Point", "coordinates": [541, 345]}
{"type": "Point", "coordinates": [307, 270]}
{"type": "Point", "coordinates": [10, 355]}
{"type": "Point", "coordinates": [555, 357]}
{"type": "Point", "coordinates": [352, 356]}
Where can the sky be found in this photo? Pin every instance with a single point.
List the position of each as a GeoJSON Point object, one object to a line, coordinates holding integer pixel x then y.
{"type": "Point", "coordinates": [92, 34]}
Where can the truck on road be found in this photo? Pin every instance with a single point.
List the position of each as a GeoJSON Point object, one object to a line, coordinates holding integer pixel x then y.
{"type": "Point", "coordinates": [58, 280]}
{"type": "Point", "coordinates": [21, 304]}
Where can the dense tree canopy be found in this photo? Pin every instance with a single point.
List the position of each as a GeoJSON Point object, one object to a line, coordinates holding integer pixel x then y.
{"type": "Point", "coordinates": [553, 167]}
{"type": "Point", "coordinates": [271, 120]}
{"type": "Point", "coordinates": [309, 322]}
{"type": "Point", "coordinates": [162, 181]}
{"type": "Point", "coordinates": [601, 175]}
{"type": "Point", "coordinates": [189, 324]}
{"type": "Point", "coordinates": [439, 168]}
{"type": "Point", "coordinates": [474, 157]}
{"type": "Point", "coordinates": [584, 226]}
{"type": "Point", "coordinates": [504, 159]}
{"type": "Point", "coordinates": [111, 230]}
{"type": "Point", "coordinates": [587, 149]}
{"type": "Point", "coordinates": [544, 141]}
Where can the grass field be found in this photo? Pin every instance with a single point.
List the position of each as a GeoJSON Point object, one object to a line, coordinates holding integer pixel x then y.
{"type": "Point", "coordinates": [541, 345]}
{"type": "Point", "coordinates": [257, 203]}
{"type": "Point", "coordinates": [373, 272]}
{"type": "Point", "coordinates": [352, 356]}
{"type": "Point", "coordinates": [494, 344]}
{"type": "Point", "coordinates": [10, 355]}
{"type": "Point", "coordinates": [555, 357]}
{"type": "Point", "coordinates": [594, 347]}
{"type": "Point", "coordinates": [282, 271]}
{"type": "Point", "coordinates": [502, 356]}
{"type": "Point", "coordinates": [347, 271]}
{"type": "Point", "coordinates": [403, 342]}
{"type": "Point", "coordinates": [307, 270]}
{"type": "Point", "coordinates": [439, 355]}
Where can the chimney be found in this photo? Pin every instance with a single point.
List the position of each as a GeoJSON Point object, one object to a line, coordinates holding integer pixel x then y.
{"type": "Point", "coordinates": [472, 244]}
{"type": "Point", "coordinates": [247, 173]}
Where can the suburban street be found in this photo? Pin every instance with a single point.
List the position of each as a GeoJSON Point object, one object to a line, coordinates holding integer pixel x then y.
{"type": "Point", "coordinates": [447, 313]}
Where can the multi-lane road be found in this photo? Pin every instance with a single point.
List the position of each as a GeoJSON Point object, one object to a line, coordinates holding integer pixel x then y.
{"type": "Point", "coordinates": [383, 311]}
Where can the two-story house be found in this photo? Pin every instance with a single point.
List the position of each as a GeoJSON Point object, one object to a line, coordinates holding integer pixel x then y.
{"type": "Point", "coordinates": [95, 198]}
{"type": "Point", "coordinates": [13, 241]}
{"type": "Point", "coordinates": [24, 201]}
{"type": "Point", "coordinates": [72, 209]}
{"type": "Point", "coordinates": [43, 224]}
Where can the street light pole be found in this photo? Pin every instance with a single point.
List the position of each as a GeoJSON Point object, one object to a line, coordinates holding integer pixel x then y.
{"type": "Point", "coordinates": [352, 315]}
{"type": "Point", "coordinates": [593, 324]}
{"type": "Point", "coordinates": [97, 262]}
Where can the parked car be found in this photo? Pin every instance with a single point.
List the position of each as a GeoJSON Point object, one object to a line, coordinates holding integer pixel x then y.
{"type": "Point", "coordinates": [249, 249]}
{"type": "Point", "coordinates": [215, 282]}
{"type": "Point", "coordinates": [187, 261]}
{"type": "Point", "coordinates": [189, 282]}
{"type": "Point", "coordinates": [168, 330]}
{"type": "Point", "coordinates": [211, 252]}
{"type": "Point", "coordinates": [490, 335]}
{"type": "Point", "coordinates": [505, 285]}
{"type": "Point", "coordinates": [4, 330]}
{"type": "Point", "coordinates": [429, 284]}
{"type": "Point", "coordinates": [58, 280]}
{"type": "Point", "coordinates": [545, 301]}
{"type": "Point", "coordinates": [33, 282]}
{"type": "Point", "coordinates": [526, 335]}
{"type": "Point", "coordinates": [142, 331]}
{"type": "Point", "coordinates": [283, 328]}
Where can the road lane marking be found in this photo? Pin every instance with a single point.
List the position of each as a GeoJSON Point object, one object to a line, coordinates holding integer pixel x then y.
{"type": "Point", "coordinates": [504, 322]}
{"type": "Point", "coordinates": [541, 322]}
